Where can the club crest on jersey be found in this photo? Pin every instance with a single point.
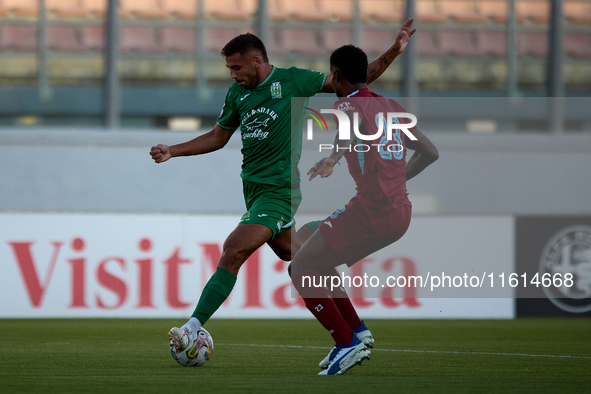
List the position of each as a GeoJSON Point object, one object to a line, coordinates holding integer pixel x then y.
{"type": "Point", "coordinates": [276, 90]}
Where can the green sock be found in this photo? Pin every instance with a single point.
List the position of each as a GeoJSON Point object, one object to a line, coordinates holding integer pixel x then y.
{"type": "Point", "coordinates": [313, 226]}
{"type": "Point", "coordinates": [217, 289]}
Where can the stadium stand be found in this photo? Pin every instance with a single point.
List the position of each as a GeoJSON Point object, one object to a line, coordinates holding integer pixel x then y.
{"type": "Point", "coordinates": [492, 43]}
{"type": "Point", "coordinates": [67, 9]}
{"type": "Point", "coordinates": [145, 9]}
{"type": "Point", "coordinates": [532, 44]}
{"type": "Point", "coordinates": [337, 10]}
{"type": "Point", "coordinates": [429, 11]}
{"type": "Point", "coordinates": [333, 39]}
{"type": "Point", "coordinates": [180, 9]}
{"type": "Point", "coordinates": [304, 10]}
{"type": "Point", "coordinates": [93, 37]}
{"type": "Point", "coordinates": [578, 45]}
{"type": "Point", "coordinates": [459, 43]}
{"type": "Point", "coordinates": [64, 39]}
{"type": "Point", "coordinates": [178, 39]}
{"type": "Point", "coordinates": [494, 11]}
{"type": "Point", "coordinates": [227, 9]}
{"type": "Point", "coordinates": [382, 10]}
{"type": "Point", "coordinates": [139, 40]}
{"type": "Point", "coordinates": [428, 44]}
{"type": "Point", "coordinates": [21, 8]}
{"type": "Point", "coordinates": [18, 38]}
{"type": "Point", "coordinates": [462, 11]}
{"type": "Point", "coordinates": [98, 8]}
{"type": "Point", "coordinates": [301, 41]}
{"type": "Point", "coordinates": [533, 11]}
{"type": "Point", "coordinates": [372, 41]}
{"type": "Point", "coordinates": [578, 12]}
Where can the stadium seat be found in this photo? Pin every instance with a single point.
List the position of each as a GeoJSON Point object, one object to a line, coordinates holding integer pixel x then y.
{"type": "Point", "coordinates": [21, 8]}
{"type": "Point", "coordinates": [276, 11]}
{"type": "Point", "coordinates": [578, 12]}
{"type": "Point", "coordinates": [376, 41]}
{"type": "Point", "coordinates": [382, 10]}
{"type": "Point", "coordinates": [492, 43]}
{"type": "Point", "coordinates": [64, 39]}
{"type": "Point", "coordinates": [494, 10]}
{"type": "Point", "coordinates": [217, 37]}
{"type": "Point", "coordinates": [139, 39]}
{"type": "Point", "coordinates": [578, 45]}
{"type": "Point", "coordinates": [533, 11]}
{"type": "Point", "coordinates": [144, 9]}
{"type": "Point", "coordinates": [226, 9]}
{"type": "Point", "coordinates": [20, 38]}
{"type": "Point", "coordinates": [67, 9]}
{"type": "Point", "coordinates": [93, 37]}
{"type": "Point", "coordinates": [428, 44]}
{"type": "Point", "coordinates": [429, 11]}
{"type": "Point", "coordinates": [532, 44]}
{"type": "Point", "coordinates": [305, 10]}
{"type": "Point", "coordinates": [334, 39]}
{"type": "Point", "coordinates": [459, 43]}
{"type": "Point", "coordinates": [273, 43]}
{"type": "Point", "coordinates": [301, 41]}
{"type": "Point", "coordinates": [181, 9]}
{"type": "Point", "coordinates": [178, 39]}
{"type": "Point", "coordinates": [337, 10]}
{"type": "Point", "coordinates": [462, 11]}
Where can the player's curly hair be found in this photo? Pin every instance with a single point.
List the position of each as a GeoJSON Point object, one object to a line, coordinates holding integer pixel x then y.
{"type": "Point", "coordinates": [352, 62]}
{"type": "Point", "coordinates": [244, 43]}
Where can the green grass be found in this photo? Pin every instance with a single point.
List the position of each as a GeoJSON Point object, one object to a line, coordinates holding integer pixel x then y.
{"type": "Point", "coordinates": [113, 356]}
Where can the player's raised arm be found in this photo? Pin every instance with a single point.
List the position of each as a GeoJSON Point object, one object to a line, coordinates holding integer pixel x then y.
{"type": "Point", "coordinates": [378, 66]}
{"type": "Point", "coordinates": [208, 142]}
{"type": "Point", "coordinates": [425, 153]}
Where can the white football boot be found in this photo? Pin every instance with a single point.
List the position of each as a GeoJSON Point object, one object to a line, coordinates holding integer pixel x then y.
{"type": "Point", "coordinates": [364, 336]}
{"type": "Point", "coordinates": [179, 339]}
{"type": "Point", "coordinates": [346, 357]}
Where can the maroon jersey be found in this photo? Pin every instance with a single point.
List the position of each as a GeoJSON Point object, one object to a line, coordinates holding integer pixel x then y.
{"type": "Point", "coordinates": [377, 166]}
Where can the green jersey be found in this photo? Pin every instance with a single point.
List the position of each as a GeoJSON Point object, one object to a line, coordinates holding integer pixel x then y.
{"type": "Point", "coordinates": [267, 130]}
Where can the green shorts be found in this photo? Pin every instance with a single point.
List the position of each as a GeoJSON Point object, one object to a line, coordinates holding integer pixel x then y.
{"type": "Point", "coordinates": [269, 205]}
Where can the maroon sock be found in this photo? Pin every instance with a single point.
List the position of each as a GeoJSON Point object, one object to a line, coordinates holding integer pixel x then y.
{"type": "Point", "coordinates": [323, 307]}
{"type": "Point", "coordinates": [343, 302]}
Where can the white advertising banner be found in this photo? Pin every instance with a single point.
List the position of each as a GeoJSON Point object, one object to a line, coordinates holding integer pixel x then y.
{"type": "Point", "coordinates": [115, 265]}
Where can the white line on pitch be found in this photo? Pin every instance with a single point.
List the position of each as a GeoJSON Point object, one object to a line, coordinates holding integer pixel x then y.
{"type": "Point", "coordinates": [415, 351]}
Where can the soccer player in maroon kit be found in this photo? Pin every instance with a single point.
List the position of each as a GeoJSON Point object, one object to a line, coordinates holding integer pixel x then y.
{"type": "Point", "coordinates": [378, 215]}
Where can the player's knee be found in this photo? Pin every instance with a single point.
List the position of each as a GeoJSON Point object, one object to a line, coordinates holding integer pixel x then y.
{"type": "Point", "coordinates": [233, 257]}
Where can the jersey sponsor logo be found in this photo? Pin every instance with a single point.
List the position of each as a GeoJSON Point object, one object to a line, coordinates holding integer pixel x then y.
{"type": "Point", "coordinates": [255, 122]}
{"type": "Point", "coordinates": [346, 106]}
{"type": "Point", "coordinates": [328, 223]}
{"type": "Point", "coordinates": [276, 90]}
{"type": "Point", "coordinates": [569, 252]}
{"type": "Point", "coordinates": [262, 215]}
{"type": "Point", "coordinates": [245, 96]}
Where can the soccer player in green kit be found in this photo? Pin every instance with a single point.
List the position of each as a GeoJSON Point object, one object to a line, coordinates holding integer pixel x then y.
{"type": "Point", "coordinates": [258, 103]}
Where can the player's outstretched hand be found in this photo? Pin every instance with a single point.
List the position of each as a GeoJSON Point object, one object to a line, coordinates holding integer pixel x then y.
{"type": "Point", "coordinates": [403, 36]}
{"type": "Point", "coordinates": [160, 153]}
{"type": "Point", "coordinates": [323, 168]}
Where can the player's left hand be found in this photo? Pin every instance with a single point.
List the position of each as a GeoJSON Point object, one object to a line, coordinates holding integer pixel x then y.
{"type": "Point", "coordinates": [323, 168]}
{"type": "Point", "coordinates": [403, 36]}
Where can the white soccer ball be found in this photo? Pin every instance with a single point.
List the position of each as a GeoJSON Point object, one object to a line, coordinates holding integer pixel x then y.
{"type": "Point", "coordinates": [198, 352]}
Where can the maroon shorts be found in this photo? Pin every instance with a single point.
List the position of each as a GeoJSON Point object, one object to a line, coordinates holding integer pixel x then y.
{"type": "Point", "coordinates": [356, 231]}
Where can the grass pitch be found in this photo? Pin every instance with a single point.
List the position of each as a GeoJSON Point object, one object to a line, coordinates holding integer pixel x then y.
{"type": "Point", "coordinates": [124, 356]}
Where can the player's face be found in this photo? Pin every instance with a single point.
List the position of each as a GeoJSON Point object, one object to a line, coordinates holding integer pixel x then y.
{"type": "Point", "coordinates": [244, 68]}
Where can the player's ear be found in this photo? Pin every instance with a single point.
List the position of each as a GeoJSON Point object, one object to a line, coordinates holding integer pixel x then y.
{"type": "Point", "coordinates": [258, 61]}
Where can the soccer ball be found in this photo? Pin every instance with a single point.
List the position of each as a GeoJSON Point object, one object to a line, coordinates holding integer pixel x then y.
{"type": "Point", "coordinates": [198, 352]}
